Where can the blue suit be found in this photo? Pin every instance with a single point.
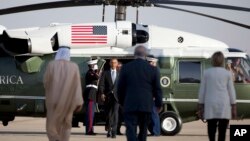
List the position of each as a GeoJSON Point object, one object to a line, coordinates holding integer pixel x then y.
{"type": "Point", "coordinates": [155, 125]}
{"type": "Point", "coordinates": [138, 83]}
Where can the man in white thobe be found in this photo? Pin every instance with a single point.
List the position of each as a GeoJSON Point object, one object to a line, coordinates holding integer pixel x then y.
{"type": "Point", "coordinates": [63, 93]}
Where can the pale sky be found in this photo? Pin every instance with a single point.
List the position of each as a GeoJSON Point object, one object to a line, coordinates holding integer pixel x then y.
{"type": "Point", "coordinates": [234, 36]}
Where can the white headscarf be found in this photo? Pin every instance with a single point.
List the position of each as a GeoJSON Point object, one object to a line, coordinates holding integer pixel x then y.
{"type": "Point", "coordinates": [63, 53]}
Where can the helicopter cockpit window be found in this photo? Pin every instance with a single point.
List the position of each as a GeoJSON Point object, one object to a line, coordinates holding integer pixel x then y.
{"type": "Point", "coordinates": [240, 69]}
{"type": "Point", "coordinates": [189, 72]}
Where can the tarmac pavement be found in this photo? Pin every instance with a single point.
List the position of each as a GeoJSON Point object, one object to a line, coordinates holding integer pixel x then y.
{"type": "Point", "coordinates": [33, 129]}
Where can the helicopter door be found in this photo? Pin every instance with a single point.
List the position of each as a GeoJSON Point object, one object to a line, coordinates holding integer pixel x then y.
{"type": "Point", "coordinates": [242, 88]}
{"type": "Point", "coordinates": [186, 86]}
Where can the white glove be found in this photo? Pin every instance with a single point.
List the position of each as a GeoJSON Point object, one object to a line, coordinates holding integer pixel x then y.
{"type": "Point", "coordinates": [95, 67]}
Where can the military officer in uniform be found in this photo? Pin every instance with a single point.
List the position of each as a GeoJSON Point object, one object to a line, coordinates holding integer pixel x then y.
{"type": "Point", "coordinates": [90, 93]}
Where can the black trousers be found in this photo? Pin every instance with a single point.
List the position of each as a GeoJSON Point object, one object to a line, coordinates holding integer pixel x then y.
{"type": "Point", "coordinates": [111, 109]}
{"type": "Point", "coordinates": [212, 125]}
{"type": "Point", "coordinates": [132, 119]}
{"type": "Point", "coordinates": [120, 119]}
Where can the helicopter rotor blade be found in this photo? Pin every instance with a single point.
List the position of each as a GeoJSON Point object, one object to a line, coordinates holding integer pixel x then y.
{"type": "Point", "coordinates": [204, 15]}
{"type": "Point", "coordinates": [200, 4]}
{"type": "Point", "coordinates": [48, 5]}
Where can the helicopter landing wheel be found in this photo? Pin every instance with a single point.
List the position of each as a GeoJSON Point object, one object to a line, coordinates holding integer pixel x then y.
{"type": "Point", "coordinates": [170, 123]}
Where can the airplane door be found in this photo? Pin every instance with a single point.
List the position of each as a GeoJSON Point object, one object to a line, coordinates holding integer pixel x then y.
{"type": "Point", "coordinates": [186, 86]}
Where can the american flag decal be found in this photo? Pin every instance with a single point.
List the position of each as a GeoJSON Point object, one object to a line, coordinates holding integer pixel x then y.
{"type": "Point", "coordinates": [89, 35]}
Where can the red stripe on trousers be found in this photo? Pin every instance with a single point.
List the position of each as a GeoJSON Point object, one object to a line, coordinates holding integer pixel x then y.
{"type": "Point", "coordinates": [91, 102]}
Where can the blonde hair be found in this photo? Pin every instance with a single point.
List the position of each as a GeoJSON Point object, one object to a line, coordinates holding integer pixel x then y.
{"type": "Point", "coordinates": [217, 59]}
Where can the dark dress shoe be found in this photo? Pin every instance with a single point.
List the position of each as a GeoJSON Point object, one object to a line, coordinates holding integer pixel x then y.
{"type": "Point", "coordinates": [106, 128]}
{"type": "Point", "coordinates": [108, 134]}
{"type": "Point", "coordinates": [91, 133]}
{"type": "Point", "coordinates": [119, 133]}
{"type": "Point", "coordinates": [113, 136]}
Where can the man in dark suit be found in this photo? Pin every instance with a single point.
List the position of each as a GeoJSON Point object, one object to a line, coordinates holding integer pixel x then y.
{"type": "Point", "coordinates": [120, 111]}
{"type": "Point", "coordinates": [154, 126]}
{"type": "Point", "coordinates": [108, 95]}
{"type": "Point", "coordinates": [138, 83]}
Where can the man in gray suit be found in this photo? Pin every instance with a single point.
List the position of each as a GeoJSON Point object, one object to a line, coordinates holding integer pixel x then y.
{"type": "Point", "coordinates": [138, 83]}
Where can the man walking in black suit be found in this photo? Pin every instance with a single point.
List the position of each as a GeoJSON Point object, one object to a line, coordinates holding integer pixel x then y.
{"type": "Point", "coordinates": [138, 83]}
{"type": "Point", "coordinates": [108, 95]}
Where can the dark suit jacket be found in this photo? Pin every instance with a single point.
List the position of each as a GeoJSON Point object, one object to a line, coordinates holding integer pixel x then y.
{"type": "Point", "coordinates": [106, 85]}
{"type": "Point", "coordinates": [138, 83]}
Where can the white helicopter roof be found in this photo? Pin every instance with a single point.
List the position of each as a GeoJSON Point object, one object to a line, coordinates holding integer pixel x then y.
{"type": "Point", "coordinates": [235, 54]}
{"type": "Point", "coordinates": [164, 42]}
{"type": "Point", "coordinates": [161, 37]}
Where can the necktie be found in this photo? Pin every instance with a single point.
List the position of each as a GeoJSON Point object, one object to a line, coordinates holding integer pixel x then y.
{"type": "Point", "coordinates": [113, 76]}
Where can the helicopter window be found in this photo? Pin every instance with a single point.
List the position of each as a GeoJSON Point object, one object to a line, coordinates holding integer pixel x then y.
{"type": "Point", "coordinates": [246, 67]}
{"type": "Point", "coordinates": [240, 69]}
{"type": "Point", "coordinates": [189, 72]}
{"type": "Point", "coordinates": [125, 32]}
